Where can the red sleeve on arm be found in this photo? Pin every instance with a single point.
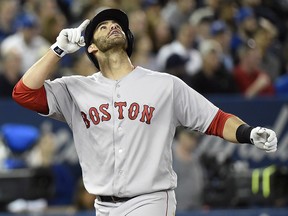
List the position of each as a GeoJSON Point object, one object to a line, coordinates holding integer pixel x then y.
{"type": "Point", "coordinates": [217, 125]}
{"type": "Point", "coordinates": [33, 99]}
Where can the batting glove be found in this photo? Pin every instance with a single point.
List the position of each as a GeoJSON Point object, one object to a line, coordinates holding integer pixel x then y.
{"type": "Point", "coordinates": [264, 139]}
{"type": "Point", "coordinates": [70, 40]}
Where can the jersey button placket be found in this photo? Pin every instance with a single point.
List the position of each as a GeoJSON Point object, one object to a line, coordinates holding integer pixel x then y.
{"type": "Point", "coordinates": [118, 133]}
{"type": "Point", "coordinates": [120, 161]}
{"type": "Point", "coordinates": [117, 90]}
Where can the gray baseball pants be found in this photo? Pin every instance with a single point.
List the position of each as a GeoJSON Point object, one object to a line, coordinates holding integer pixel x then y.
{"type": "Point", "coordinates": [161, 203]}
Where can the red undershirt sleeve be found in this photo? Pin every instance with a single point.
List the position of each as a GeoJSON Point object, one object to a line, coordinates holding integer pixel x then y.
{"type": "Point", "coordinates": [33, 99]}
{"type": "Point", "coordinates": [217, 125]}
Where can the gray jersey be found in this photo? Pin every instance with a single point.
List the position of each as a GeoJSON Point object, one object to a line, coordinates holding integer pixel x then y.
{"type": "Point", "coordinates": [123, 130]}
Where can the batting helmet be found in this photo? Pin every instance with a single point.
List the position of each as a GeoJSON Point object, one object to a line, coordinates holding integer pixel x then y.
{"type": "Point", "coordinates": [108, 14]}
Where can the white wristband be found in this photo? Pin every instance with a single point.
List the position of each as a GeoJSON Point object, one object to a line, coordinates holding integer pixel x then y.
{"type": "Point", "coordinates": [57, 50]}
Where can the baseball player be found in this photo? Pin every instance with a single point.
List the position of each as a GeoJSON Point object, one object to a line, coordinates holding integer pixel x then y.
{"type": "Point", "coordinates": [124, 117]}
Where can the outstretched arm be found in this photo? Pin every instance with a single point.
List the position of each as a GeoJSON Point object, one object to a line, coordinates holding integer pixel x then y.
{"type": "Point", "coordinates": [233, 129]}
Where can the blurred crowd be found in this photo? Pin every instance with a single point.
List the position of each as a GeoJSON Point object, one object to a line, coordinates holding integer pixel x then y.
{"type": "Point", "coordinates": [215, 46]}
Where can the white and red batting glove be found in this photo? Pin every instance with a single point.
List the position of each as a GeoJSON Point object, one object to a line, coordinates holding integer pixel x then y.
{"type": "Point", "coordinates": [264, 138]}
{"type": "Point", "coordinates": [70, 40]}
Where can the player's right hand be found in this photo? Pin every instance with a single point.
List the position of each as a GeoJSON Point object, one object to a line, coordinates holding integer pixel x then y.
{"type": "Point", "coordinates": [70, 40]}
{"type": "Point", "coordinates": [264, 138]}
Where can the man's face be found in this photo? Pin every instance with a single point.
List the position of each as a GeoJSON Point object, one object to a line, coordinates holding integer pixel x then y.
{"type": "Point", "coordinates": [109, 34]}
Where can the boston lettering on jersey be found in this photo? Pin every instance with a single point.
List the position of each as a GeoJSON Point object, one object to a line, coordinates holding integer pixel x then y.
{"type": "Point", "coordinates": [101, 114]}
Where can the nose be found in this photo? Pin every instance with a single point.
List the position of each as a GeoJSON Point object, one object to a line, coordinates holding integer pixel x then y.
{"type": "Point", "coordinates": [113, 26]}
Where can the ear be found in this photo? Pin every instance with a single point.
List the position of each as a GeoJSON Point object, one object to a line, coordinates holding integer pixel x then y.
{"type": "Point", "coordinates": [92, 48]}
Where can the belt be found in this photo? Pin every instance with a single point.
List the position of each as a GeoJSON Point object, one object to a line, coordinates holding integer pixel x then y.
{"type": "Point", "coordinates": [112, 199]}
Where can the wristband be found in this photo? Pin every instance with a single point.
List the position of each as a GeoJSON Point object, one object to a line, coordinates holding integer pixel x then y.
{"type": "Point", "coordinates": [57, 50]}
{"type": "Point", "coordinates": [243, 133]}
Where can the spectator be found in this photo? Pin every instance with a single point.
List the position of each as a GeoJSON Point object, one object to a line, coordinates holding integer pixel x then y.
{"type": "Point", "coordinates": [10, 73]}
{"type": "Point", "coordinates": [201, 23]}
{"type": "Point", "coordinates": [226, 12]}
{"type": "Point", "coordinates": [83, 200]}
{"type": "Point", "coordinates": [178, 12]}
{"type": "Point", "coordinates": [8, 11]}
{"type": "Point", "coordinates": [262, 9]}
{"type": "Point", "coordinates": [159, 29]}
{"type": "Point", "coordinates": [265, 38]}
{"type": "Point", "coordinates": [181, 46]}
{"type": "Point", "coordinates": [26, 41]}
{"type": "Point", "coordinates": [44, 152]}
{"type": "Point", "coordinates": [202, 18]}
{"type": "Point", "coordinates": [127, 5]}
{"type": "Point", "coordinates": [51, 26]}
{"type": "Point", "coordinates": [251, 79]}
{"type": "Point", "coordinates": [220, 33]}
{"type": "Point", "coordinates": [190, 173]}
{"type": "Point", "coordinates": [212, 78]}
{"type": "Point", "coordinates": [246, 27]}
{"type": "Point", "coordinates": [139, 23]}
{"type": "Point", "coordinates": [44, 9]}
{"type": "Point", "coordinates": [81, 66]}
{"type": "Point", "coordinates": [175, 65]}
{"type": "Point", "coordinates": [210, 8]}
{"type": "Point", "coordinates": [143, 52]}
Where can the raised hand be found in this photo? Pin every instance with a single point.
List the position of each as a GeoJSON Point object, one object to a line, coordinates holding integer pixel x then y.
{"type": "Point", "coordinates": [70, 40]}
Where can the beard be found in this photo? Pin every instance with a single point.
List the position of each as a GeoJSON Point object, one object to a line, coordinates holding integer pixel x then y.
{"type": "Point", "coordinates": [104, 44]}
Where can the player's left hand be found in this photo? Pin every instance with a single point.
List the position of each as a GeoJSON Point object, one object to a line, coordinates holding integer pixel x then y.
{"type": "Point", "coordinates": [264, 138]}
